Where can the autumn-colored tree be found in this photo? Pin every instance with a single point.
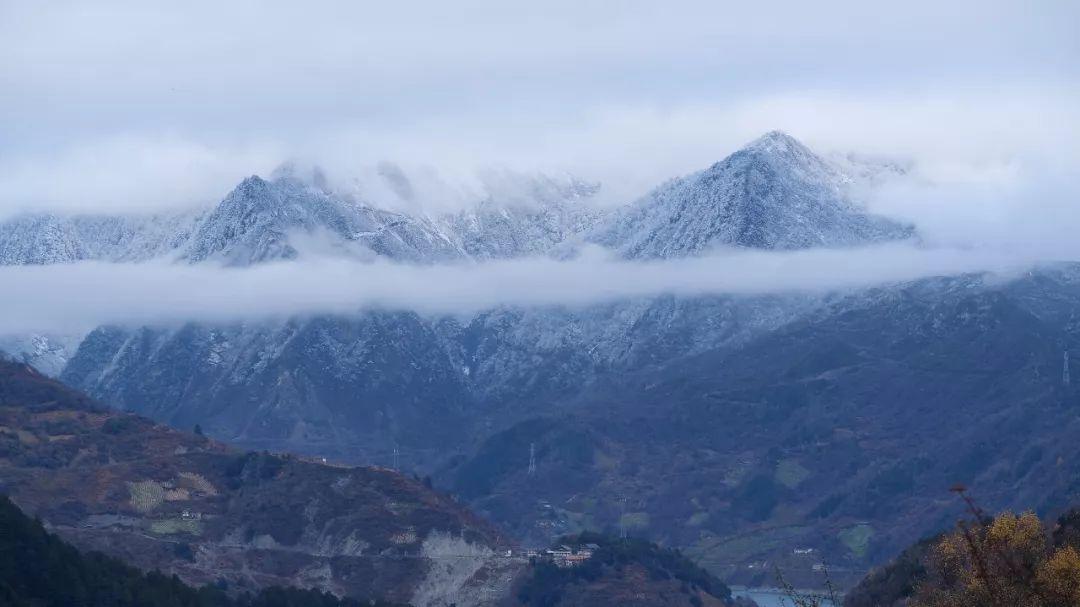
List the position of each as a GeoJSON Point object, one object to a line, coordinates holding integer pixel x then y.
{"type": "Point", "coordinates": [1007, 560]}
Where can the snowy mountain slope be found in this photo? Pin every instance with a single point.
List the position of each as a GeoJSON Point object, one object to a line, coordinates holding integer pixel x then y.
{"type": "Point", "coordinates": [540, 215]}
{"type": "Point", "coordinates": [343, 385]}
{"type": "Point", "coordinates": [506, 351]}
{"type": "Point", "coordinates": [38, 239]}
{"type": "Point", "coordinates": [258, 219]}
{"type": "Point", "coordinates": [358, 385]}
{"type": "Point", "coordinates": [35, 239]}
{"type": "Point", "coordinates": [267, 219]}
{"type": "Point", "coordinates": [772, 194]}
{"type": "Point", "coordinates": [263, 220]}
{"type": "Point", "coordinates": [48, 354]}
{"type": "Point", "coordinates": [513, 355]}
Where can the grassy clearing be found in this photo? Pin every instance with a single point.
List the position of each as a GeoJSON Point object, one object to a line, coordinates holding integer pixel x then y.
{"type": "Point", "coordinates": [146, 495]}
{"type": "Point", "coordinates": [745, 546]}
{"type": "Point", "coordinates": [791, 473]}
{"type": "Point", "coordinates": [698, 519]}
{"type": "Point", "coordinates": [196, 482]}
{"type": "Point", "coordinates": [174, 526]}
{"type": "Point", "coordinates": [857, 538]}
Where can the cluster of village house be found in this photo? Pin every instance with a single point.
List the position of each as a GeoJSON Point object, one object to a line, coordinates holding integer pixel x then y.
{"type": "Point", "coordinates": [567, 556]}
{"type": "Point", "coordinates": [563, 556]}
{"type": "Point", "coordinates": [796, 552]}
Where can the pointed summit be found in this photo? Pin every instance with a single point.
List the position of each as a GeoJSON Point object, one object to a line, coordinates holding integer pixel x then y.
{"type": "Point", "coordinates": [263, 220]}
{"type": "Point", "coordinates": [774, 193]}
{"type": "Point", "coordinates": [779, 148]}
{"type": "Point", "coordinates": [776, 141]}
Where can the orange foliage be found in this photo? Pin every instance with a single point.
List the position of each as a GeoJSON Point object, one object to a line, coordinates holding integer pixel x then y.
{"type": "Point", "coordinates": [1005, 561]}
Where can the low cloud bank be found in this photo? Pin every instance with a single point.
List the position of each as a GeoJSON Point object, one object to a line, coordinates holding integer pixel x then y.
{"type": "Point", "coordinates": [80, 296]}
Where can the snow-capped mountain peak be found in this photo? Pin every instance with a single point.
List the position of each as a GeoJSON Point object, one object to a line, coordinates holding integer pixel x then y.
{"type": "Point", "coordinates": [778, 142]}
{"type": "Point", "coordinates": [257, 220]}
{"type": "Point", "coordinates": [774, 193]}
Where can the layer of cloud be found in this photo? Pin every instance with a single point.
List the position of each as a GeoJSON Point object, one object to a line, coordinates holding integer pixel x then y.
{"type": "Point", "coordinates": [1026, 210]}
{"type": "Point", "coordinates": [41, 298]}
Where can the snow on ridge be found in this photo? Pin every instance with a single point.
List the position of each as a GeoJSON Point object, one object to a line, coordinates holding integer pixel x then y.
{"type": "Point", "coordinates": [46, 238]}
{"type": "Point", "coordinates": [772, 194]}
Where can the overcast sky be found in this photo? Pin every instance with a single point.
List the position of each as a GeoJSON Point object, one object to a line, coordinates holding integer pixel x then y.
{"type": "Point", "coordinates": [121, 105]}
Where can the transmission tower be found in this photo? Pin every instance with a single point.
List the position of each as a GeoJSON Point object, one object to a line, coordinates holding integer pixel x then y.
{"type": "Point", "coordinates": [532, 459]}
{"type": "Point", "coordinates": [622, 517]}
{"type": "Point", "coordinates": [1065, 379]}
{"type": "Point", "coordinates": [396, 457]}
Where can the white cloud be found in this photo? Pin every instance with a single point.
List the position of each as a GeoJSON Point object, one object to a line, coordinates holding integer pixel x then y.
{"type": "Point", "coordinates": [1032, 210]}
{"type": "Point", "coordinates": [38, 298]}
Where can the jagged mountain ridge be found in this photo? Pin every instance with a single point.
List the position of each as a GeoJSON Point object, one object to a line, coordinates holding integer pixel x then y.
{"type": "Point", "coordinates": [773, 194]}
{"type": "Point", "coordinates": [268, 219]}
{"type": "Point", "coordinates": [255, 221]}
